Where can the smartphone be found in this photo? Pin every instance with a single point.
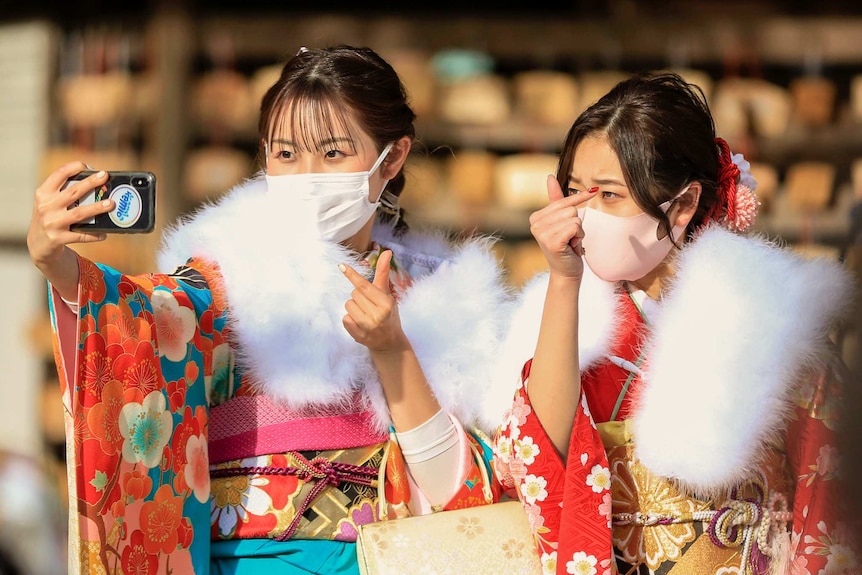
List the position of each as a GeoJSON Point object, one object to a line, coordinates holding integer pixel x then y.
{"type": "Point", "coordinates": [134, 195]}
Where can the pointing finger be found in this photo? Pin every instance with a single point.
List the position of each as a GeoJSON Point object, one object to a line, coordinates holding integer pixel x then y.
{"type": "Point", "coordinates": [555, 192]}
{"type": "Point", "coordinates": [381, 271]}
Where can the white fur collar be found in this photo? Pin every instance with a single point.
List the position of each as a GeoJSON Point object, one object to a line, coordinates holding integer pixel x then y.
{"type": "Point", "coordinates": [286, 298]}
{"type": "Point", "coordinates": [743, 317]}
{"type": "Point", "coordinates": [740, 321]}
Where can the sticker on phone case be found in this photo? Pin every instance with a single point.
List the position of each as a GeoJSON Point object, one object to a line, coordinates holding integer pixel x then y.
{"type": "Point", "coordinates": [129, 206]}
{"type": "Point", "coordinates": [92, 197]}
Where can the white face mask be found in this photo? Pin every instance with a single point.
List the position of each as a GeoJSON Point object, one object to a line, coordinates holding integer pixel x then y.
{"type": "Point", "coordinates": [619, 248]}
{"type": "Point", "coordinates": [339, 202]}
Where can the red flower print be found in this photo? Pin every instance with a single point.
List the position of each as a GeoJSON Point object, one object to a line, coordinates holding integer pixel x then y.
{"type": "Point", "coordinates": [91, 280]}
{"type": "Point", "coordinates": [138, 371]}
{"type": "Point", "coordinates": [94, 369]}
{"type": "Point", "coordinates": [122, 327]}
{"type": "Point", "coordinates": [186, 533]}
{"type": "Point", "coordinates": [137, 485]}
{"type": "Point", "coordinates": [160, 521]}
{"type": "Point", "coordinates": [176, 394]}
{"type": "Point", "coordinates": [167, 458]}
{"type": "Point", "coordinates": [206, 322]}
{"type": "Point", "coordinates": [192, 371]}
{"type": "Point", "coordinates": [103, 418]}
{"type": "Point", "coordinates": [202, 418]}
{"type": "Point", "coordinates": [118, 508]}
{"type": "Point", "coordinates": [137, 560]}
{"type": "Point", "coordinates": [125, 287]}
{"type": "Point", "coordinates": [185, 429]}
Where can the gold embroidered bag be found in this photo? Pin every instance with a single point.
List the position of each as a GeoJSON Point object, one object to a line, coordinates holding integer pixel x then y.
{"type": "Point", "coordinates": [485, 540]}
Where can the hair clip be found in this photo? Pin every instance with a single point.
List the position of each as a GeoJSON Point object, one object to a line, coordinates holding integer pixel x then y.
{"type": "Point", "coordinates": [301, 50]}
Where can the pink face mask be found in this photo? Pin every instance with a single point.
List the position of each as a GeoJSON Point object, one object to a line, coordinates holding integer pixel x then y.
{"type": "Point", "coordinates": [618, 248]}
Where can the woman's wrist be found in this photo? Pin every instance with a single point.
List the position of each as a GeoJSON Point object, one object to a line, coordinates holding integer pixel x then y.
{"type": "Point", "coordinates": [563, 282]}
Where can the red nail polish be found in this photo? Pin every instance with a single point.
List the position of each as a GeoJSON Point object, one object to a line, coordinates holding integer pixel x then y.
{"type": "Point", "coordinates": [593, 190]}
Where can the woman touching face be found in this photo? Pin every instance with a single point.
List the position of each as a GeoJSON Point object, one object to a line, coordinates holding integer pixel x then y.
{"type": "Point", "coordinates": [621, 240]}
{"type": "Point", "coordinates": [596, 165]}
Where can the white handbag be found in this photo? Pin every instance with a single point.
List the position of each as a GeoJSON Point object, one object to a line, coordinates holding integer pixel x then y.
{"type": "Point", "coordinates": [485, 540]}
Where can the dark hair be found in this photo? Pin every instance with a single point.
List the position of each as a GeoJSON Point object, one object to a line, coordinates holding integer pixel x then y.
{"type": "Point", "coordinates": [663, 134]}
{"type": "Point", "coordinates": [319, 89]}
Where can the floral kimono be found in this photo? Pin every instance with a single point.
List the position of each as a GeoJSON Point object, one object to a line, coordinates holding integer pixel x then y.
{"type": "Point", "coordinates": [704, 442]}
{"type": "Point", "coordinates": [219, 411]}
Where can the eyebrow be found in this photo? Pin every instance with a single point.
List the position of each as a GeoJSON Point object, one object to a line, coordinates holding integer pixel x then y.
{"type": "Point", "coordinates": [335, 140]}
{"type": "Point", "coordinates": [601, 182]}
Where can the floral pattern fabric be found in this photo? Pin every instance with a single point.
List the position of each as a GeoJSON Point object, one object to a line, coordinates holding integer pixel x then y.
{"type": "Point", "coordinates": [580, 510]}
{"type": "Point", "coordinates": [529, 468]}
{"type": "Point", "coordinates": [152, 356]}
{"type": "Point", "coordinates": [136, 419]}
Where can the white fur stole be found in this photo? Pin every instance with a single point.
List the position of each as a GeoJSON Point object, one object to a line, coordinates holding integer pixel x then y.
{"type": "Point", "coordinates": [286, 303]}
{"type": "Point", "coordinates": [742, 318]}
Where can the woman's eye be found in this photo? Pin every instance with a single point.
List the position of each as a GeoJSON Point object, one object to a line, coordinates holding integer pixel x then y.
{"type": "Point", "coordinates": [333, 153]}
{"type": "Point", "coordinates": [572, 192]}
{"type": "Point", "coordinates": [284, 155]}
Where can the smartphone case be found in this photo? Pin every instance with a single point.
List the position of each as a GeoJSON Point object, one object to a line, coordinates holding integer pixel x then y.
{"type": "Point", "coordinates": [134, 194]}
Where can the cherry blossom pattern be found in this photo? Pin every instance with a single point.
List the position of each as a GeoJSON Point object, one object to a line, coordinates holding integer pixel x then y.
{"type": "Point", "coordinates": [146, 428]}
{"type": "Point", "coordinates": [175, 325]}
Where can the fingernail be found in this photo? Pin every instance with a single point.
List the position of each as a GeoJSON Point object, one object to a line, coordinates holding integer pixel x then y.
{"type": "Point", "coordinates": [593, 190]}
{"type": "Point", "coordinates": [106, 203]}
{"type": "Point", "coordinates": [100, 173]}
{"type": "Point", "coordinates": [342, 268]}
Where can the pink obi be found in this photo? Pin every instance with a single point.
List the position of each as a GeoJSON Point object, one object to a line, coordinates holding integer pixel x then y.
{"type": "Point", "coordinates": [248, 426]}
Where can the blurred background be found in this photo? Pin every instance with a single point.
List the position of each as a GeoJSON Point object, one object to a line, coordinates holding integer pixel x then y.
{"type": "Point", "coordinates": [174, 88]}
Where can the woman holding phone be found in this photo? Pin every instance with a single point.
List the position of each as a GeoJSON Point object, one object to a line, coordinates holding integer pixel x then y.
{"type": "Point", "coordinates": [677, 411]}
{"type": "Point", "coordinates": [230, 414]}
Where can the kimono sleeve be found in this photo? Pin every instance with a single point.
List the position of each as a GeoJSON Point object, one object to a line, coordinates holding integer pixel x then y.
{"type": "Point", "coordinates": [568, 505]}
{"type": "Point", "coordinates": [137, 382]}
{"type": "Point", "coordinates": [821, 540]}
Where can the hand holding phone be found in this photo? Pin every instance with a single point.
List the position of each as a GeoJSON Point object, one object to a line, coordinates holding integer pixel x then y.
{"type": "Point", "coordinates": [134, 196]}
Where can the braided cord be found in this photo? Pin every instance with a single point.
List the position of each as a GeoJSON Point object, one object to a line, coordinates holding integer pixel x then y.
{"type": "Point", "coordinates": [319, 470]}
{"type": "Point", "coordinates": [741, 523]}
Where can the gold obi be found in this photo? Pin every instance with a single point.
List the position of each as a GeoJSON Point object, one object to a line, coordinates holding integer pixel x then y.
{"type": "Point", "coordinates": [302, 495]}
{"type": "Point", "coordinates": [657, 524]}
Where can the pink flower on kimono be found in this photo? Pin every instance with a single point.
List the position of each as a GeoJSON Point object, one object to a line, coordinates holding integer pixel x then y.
{"type": "Point", "coordinates": [799, 565]}
{"type": "Point", "coordinates": [175, 325]}
{"type": "Point", "coordinates": [606, 507]}
{"type": "Point", "coordinates": [520, 411]}
{"type": "Point", "coordinates": [827, 460]}
{"type": "Point", "coordinates": [146, 428]}
{"type": "Point", "coordinates": [534, 517]}
{"type": "Point", "coordinates": [196, 470]}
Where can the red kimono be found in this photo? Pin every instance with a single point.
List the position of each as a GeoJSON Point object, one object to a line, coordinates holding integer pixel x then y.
{"type": "Point", "coordinates": [611, 511]}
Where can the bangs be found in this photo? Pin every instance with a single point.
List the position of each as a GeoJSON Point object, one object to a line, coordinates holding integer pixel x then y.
{"type": "Point", "coordinates": [311, 121]}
